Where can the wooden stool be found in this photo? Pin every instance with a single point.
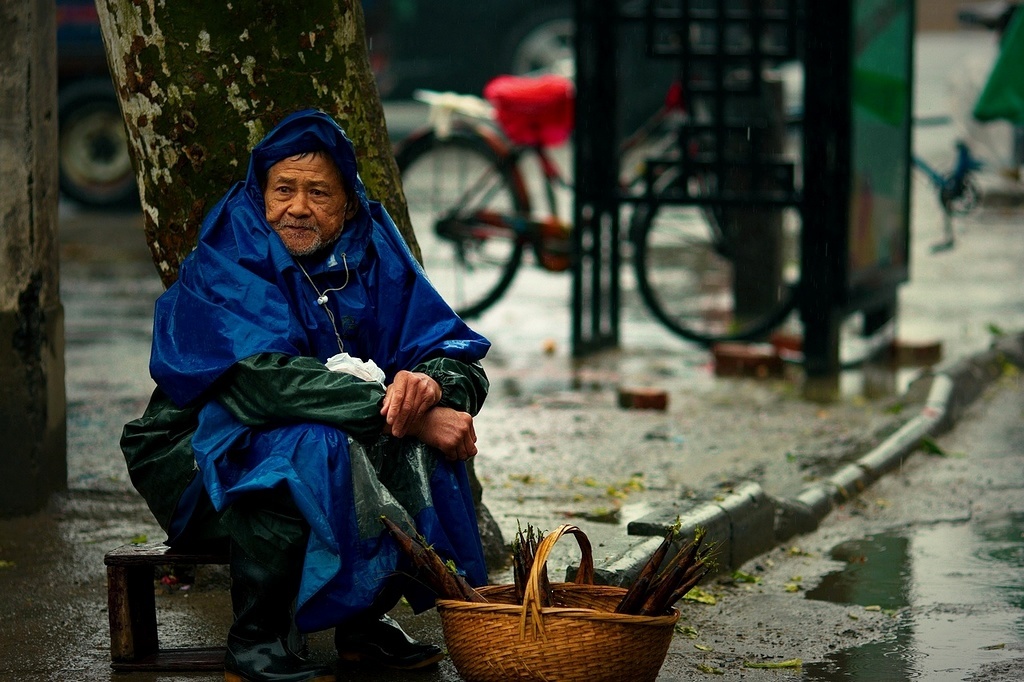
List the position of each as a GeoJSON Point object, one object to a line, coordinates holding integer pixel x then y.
{"type": "Point", "coordinates": [132, 609]}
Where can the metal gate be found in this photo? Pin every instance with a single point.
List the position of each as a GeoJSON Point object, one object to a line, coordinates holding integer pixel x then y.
{"type": "Point", "coordinates": [853, 123]}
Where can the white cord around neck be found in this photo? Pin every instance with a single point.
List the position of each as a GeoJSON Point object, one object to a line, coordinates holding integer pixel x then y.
{"type": "Point", "coordinates": [321, 297]}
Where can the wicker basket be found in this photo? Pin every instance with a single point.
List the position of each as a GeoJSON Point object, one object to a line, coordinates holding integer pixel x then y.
{"type": "Point", "coordinates": [580, 638]}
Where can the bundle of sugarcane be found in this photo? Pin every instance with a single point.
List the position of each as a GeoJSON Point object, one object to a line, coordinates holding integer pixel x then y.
{"type": "Point", "coordinates": [654, 591]}
{"type": "Point", "coordinates": [439, 576]}
{"type": "Point", "coordinates": [524, 549]}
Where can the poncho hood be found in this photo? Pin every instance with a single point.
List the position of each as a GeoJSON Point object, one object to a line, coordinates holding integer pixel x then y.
{"type": "Point", "coordinates": [300, 133]}
{"type": "Point", "coordinates": [240, 292]}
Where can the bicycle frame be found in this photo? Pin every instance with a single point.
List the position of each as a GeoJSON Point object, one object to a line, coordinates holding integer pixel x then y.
{"type": "Point", "coordinates": [957, 192]}
{"type": "Point", "coordinates": [964, 165]}
{"type": "Point", "coordinates": [476, 116]}
{"type": "Point", "coordinates": [528, 230]}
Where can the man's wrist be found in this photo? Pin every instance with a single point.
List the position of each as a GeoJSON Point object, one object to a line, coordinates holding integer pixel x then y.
{"type": "Point", "coordinates": [445, 381]}
{"type": "Point", "coordinates": [420, 425]}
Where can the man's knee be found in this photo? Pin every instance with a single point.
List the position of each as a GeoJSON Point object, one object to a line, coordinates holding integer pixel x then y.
{"type": "Point", "coordinates": [267, 524]}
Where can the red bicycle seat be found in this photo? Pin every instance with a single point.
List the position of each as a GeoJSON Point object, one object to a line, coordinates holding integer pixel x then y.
{"type": "Point", "coordinates": [533, 110]}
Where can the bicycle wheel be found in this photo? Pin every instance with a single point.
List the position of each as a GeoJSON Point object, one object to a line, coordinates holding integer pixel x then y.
{"type": "Point", "coordinates": [685, 267]}
{"type": "Point", "coordinates": [463, 199]}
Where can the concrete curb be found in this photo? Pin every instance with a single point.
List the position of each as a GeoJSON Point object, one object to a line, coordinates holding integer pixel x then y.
{"type": "Point", "coordinates": [748, 522]}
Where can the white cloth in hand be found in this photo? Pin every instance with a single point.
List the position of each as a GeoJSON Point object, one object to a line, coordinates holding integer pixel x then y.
{"type": "Point", "coordinates": [367, 370]}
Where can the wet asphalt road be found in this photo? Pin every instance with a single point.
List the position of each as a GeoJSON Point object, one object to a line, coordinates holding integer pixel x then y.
{"type": "Point", "coordinates": [930, 559]}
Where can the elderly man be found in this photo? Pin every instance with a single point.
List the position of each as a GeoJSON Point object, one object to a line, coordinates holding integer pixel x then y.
{"type": "Point", "coordinates": [309, 381]}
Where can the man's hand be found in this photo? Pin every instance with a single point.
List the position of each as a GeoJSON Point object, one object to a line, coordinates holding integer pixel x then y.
{"type": "Point", "coordinates": [407, 400]}
{"type": "Point", "coordinates": [449, 431]}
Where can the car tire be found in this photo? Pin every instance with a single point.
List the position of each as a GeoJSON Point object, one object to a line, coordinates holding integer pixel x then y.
{"type": "Point", "coordinates": [93, 158]}
{"type": "Point", "coordinates": [541, 42]}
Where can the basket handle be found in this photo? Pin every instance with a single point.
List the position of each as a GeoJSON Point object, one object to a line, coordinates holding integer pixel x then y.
{"type": "Point", "coordinates": [531, 595]}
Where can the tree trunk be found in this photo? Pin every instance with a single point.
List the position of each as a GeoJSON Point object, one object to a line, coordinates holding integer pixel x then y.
{"type": "Point", "coordinates": [33, 461]}
{"type": "Point", "coordinates": [200, 83]}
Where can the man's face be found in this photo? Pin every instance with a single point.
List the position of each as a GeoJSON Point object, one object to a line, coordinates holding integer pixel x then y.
{"type": "Point", "coordinates": [306, 202]}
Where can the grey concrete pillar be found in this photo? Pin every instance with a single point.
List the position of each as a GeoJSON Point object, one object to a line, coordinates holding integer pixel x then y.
{"type": "Point", "coordinates": [33, 433]}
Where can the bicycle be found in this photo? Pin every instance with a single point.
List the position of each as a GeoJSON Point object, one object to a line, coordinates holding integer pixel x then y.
{"type": "Point", "coordinates": [958, 192]}
{"type": "Point", "coordinates": [474, 219]}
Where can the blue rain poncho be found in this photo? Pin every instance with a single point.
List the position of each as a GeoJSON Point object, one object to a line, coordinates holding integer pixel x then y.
{"type": "Point", "coordinates": [240, 295]}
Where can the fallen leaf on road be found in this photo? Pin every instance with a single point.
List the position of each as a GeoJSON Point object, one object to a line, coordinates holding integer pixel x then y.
{"type": "Point", "coordinates": [791, 663]}
{"type": "Point", "coordinates": [699, 595]}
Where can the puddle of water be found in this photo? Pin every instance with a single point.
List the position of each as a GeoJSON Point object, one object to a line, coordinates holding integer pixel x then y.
{"type": "Point", "coordinates": [875, 573]}
{"type": "Point", "coordinates": [957, 591]}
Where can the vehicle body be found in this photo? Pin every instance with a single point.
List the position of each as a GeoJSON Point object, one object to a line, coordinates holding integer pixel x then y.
{"type": "Point", "coordinates": [412, 44]}
{"type": "Point", "coordinates": [95, 167]}
{"type": "Point", "coordinates": [461, 45]}
{"type": "Point", "coordinates": [457, 45]}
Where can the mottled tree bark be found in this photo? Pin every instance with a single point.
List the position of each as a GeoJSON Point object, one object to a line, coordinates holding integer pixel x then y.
{"type": "Point", "coordinates": [200, 83]}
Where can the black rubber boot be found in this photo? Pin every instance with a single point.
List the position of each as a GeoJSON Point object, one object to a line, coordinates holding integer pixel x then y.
{"type": "Point", "coordinates": [257, 641]}
{"type": "Point", "coordinates": [268, 542]}
{"type": "Point", "coordinates": [382, 641]}
{"type": "Point", "coordinates": [377, 638]}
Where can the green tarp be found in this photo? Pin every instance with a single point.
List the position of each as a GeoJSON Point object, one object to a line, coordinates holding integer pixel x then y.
{"type": "Point", "coordinates": [1003, 95]}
